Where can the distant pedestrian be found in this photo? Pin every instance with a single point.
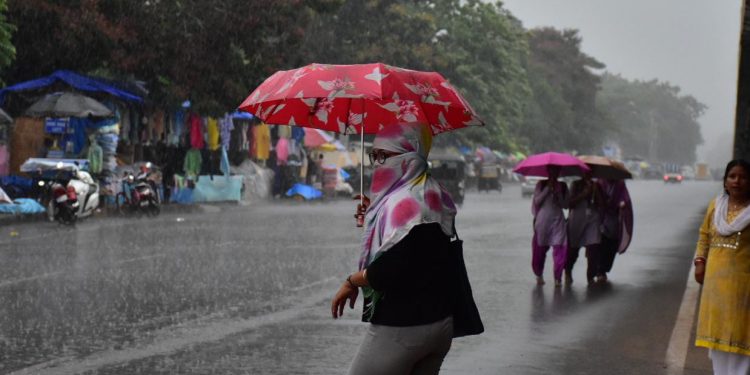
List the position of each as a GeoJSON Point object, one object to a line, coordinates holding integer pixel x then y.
{"type": "Point", "coordinates": [584, 218]}
{"type": "Point", "coordinates": [312, 169]}
{"type": "Point", "coordinates": [722, 265]}
{"type": "Point", "coordinates": [550, 198]}
{"type": "Point", "coordinates": [616, 227]}
{"type": "Point", "coordinates": [406, 270]}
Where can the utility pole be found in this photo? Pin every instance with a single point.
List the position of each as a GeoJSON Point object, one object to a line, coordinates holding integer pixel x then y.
{"type": "Point", "coordinates": [652, 137]}
{"type": "Point", "coordinates": [742, 114]}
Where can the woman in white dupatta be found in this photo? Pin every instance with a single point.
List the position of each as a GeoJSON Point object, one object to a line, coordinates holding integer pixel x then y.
{"type": "Point", "coordinates": [722, 265]}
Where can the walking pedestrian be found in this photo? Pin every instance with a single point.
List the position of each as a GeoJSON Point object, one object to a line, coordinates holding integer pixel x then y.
{"type": "Point", "coordinates": [583, 224]}
{"type": "Point", "coordinates": [550, 197]}
{"type": "Point", "coordinates": [406, 270]}
{"type": "Point", "coordinates": [616, 227]}
{"type": "Point", "coordinates": [722, 265]}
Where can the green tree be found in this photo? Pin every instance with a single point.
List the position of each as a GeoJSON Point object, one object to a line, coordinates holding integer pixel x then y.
{"type": "Point", "coordinates": [7, 50]}
{"type": "Point", "coordinates": [477, 46]}
{"type": "Point", "coordinates": [652, 119]}
{"type": "Point", "coordinates": [480, 49]}
{"type": "Point", "coordinates": [212, 52]}
{"type": "Point", "coordinates": [562, 114]}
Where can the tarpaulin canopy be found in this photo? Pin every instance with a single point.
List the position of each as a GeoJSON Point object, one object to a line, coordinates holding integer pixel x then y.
{"type": "Point", "coordinates": [75, 81]}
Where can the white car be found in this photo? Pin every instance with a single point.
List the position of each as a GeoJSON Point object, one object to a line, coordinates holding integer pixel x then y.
{"type": "Point", "coordinates": [528, 185]}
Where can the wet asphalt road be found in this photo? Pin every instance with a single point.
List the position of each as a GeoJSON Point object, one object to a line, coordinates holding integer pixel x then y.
{"type": "Point", "coordinates": [246, 290]}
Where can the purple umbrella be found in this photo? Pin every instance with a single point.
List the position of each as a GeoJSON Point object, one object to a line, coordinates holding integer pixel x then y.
{"type": "Point", "coordinates": [537, 165]}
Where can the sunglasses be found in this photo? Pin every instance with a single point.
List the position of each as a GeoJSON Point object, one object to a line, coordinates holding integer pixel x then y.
{"type": "Point", "coordinates": [380, 156]}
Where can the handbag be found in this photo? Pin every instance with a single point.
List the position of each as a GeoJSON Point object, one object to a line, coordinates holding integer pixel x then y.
{"type": "Point", "coordinates": [466, 319]}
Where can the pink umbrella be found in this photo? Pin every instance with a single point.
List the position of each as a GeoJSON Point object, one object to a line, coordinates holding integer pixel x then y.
{"type": "Point", "coordinates": [537, 165]}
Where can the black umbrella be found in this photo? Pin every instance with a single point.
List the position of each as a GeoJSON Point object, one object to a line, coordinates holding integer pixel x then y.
{"type": "Point", "coordinates": [68, 104]}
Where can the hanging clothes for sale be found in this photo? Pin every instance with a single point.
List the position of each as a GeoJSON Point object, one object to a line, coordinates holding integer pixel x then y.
{"type": "Point", "coordinates": [225, 167]}
{"type": "Point", "coordinates": [251, 135]}
{"type": "Point", "coordinates": [125, 124]}
{"type": "Point", "coordinates": [212, 128]}
{"type": "Point", "coordinates": [295, 151]}
{"type": "Point", "coordinates": [192, 164]}
{"type": "Point", "coordinates": [298, 134]}
{"type": "Point", "coordinates": [75, 135]}
{"type": "Point", "coordinates": [134, 125]}
{"type": "Point", "coordinates": [157, 125]}
{"type": "Point", "coordinates": [196, 131]}
{"type": "Point", "coordinates": [262, 141]}
{"type": "Point", "coordinates": [179, 127]}
{"type": "Point", "coordinates": [4, 160]}
{"type": "Point", "coordinates": [285, 131]}
{"type": "Point", "coordinates": [146, 130]}
{"type": "Point", "coordinates": [95, 156]}
{"type": "Point", "coordinates": [282, 151]}
{"type": "Point", "coordinates": [226, 125]}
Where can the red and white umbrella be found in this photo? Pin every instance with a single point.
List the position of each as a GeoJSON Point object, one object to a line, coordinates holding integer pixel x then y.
{"type": "Point", "coordinates": [363, 98]}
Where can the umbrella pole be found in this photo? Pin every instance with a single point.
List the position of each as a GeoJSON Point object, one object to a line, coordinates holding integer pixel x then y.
{"type": "Point", "coordinates": [362, 165]}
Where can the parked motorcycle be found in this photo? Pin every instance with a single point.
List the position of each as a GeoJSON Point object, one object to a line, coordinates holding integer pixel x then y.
{"type": "Point", "coordinates": [62, 202]}
{"type": "Point", "coordinates": [137, 196]}
{"type": "Point", "coordinates": [67, 192]}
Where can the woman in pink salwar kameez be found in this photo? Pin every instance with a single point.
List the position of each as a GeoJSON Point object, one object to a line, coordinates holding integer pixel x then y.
{"type": "Point", "coordinates": [550, 229]}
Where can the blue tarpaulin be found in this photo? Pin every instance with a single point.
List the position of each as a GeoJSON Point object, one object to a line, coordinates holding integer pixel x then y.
{"type": "Point", "coordinates": [344, 174]}
{"type": "Point", "coordinates": [240, 115]}
{"type": "Point", "coordinates": [218, 189]}
{"type": "Point", "coordinates": [306, 191]}
{"type": "Point", "coordinates": [74, 80]}
{"type": "Point", "coordinates": [22, 206]}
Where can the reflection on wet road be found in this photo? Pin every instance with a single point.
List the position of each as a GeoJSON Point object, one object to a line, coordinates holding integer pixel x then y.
{"type": "Point", "coordinates": [245, 290]}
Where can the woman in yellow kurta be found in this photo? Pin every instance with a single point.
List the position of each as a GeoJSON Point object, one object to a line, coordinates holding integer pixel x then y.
{"type": "Point", "coordinates": [722, 265]}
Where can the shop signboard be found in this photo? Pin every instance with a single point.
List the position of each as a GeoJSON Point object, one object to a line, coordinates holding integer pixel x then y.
{"type": "Point", "coordinates": [54, 125]}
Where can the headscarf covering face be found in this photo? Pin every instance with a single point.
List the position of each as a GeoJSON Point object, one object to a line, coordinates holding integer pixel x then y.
{"type": "Point", "coordinates": [403, 193]}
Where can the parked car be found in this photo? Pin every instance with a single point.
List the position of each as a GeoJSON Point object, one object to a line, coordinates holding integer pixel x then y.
{"type": "Point", "coordinates": [673, 178]}
{"type": "Point", "coordinates": [688, 173]}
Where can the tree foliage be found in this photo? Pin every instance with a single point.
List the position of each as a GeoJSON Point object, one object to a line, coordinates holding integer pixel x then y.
{"type": "Point", "coordinates": [477, 46]}
{"type": "Point", "coordinates": [209, 51]}
{"type": "Point", "coordinates": [562, 114]}
{"type": "Point", "coordinates": [536, 90]}
{"type": "Point", "coordinates": [7, 50]}
{"type": "Point", "coordinates": [652, 119]}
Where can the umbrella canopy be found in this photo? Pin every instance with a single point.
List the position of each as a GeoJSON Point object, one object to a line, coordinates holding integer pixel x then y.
{"type": "Point", "coordinates": [349, 98]}
{"type": "Point", "coordinates": [603, 167]}
{"type": "Point", "coordinates": [68, 104]}
{"type": "Point", "coordinates": [537, 165]}
{"type": "Point", "coordinates": [360, 99]}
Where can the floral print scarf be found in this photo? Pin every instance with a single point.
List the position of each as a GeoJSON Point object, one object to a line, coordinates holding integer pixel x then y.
{"type": "Point", "coordinates": [403, 193]}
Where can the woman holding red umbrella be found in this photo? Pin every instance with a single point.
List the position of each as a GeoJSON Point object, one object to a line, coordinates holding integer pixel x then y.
{"type": "Point", "coordinates": [406, 270]}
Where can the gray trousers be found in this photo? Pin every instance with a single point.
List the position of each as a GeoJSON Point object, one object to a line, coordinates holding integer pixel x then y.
{"type": "Point", "coordinates": [390, 350]}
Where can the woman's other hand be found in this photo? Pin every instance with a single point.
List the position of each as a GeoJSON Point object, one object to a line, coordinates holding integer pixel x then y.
{"type": "Point", "coordinates": [346, 292]}
{"type": "Point", "coordinates": [361, 208]}
{"type": "Point", "coordinates": [700, 272]}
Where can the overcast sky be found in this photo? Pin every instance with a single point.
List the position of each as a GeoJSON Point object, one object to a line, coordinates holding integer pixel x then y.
{"type": "Point", "coordinates": [693, 44]}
